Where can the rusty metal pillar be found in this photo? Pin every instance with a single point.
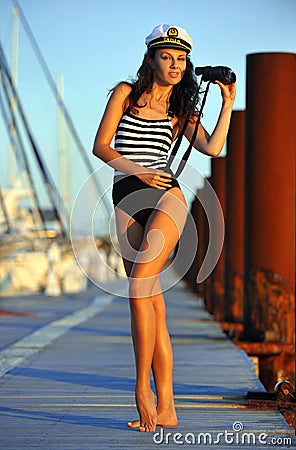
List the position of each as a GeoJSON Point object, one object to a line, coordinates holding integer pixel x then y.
{"type": "Point", "coordinates": [270, 213]}
{"type": "Point", "coordinates": [234, 219]}
{"type": "Point", "coordinates": [203, 236]}
{"type": "Point", "coordinates": [199, 217]}
{"type": "Point", "coordinates": [190, 276]}
{"type": "Point", "coordinates": [218, 276]}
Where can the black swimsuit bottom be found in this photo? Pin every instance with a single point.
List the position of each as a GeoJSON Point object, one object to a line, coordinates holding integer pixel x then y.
{"type": "Point", "coordinates": [136, 198]}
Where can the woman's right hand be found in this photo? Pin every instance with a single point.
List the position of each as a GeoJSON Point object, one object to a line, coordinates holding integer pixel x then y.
{"type": "Point", "coordinates": [155, 178]}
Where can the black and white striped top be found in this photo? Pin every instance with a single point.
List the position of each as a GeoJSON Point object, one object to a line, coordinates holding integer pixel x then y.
{"type": "Point", "coordinates": [144, 141]}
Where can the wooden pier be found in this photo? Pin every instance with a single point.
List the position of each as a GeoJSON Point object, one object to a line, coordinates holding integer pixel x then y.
{"type": "Point", "coordinates": [67, 378]}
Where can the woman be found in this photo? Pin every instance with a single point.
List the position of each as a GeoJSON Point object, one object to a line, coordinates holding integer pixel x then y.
{"type": "Point", "coordinates": [145, 117]}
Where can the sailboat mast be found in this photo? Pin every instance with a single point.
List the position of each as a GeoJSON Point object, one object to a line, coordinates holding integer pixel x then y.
{"type": "Point", "coordinates": [14, 74]}
{"type": "Point", "coordinates": [64, 154]}
{"type": "Point", "coordinates": [52, 192]}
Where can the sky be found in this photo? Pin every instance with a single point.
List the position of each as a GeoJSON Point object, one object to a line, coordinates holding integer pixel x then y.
{"type": "Point", "coordinates": [93, 45]}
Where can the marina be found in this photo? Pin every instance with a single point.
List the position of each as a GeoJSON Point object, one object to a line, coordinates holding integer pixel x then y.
{"type": "Point", "coordinates": [67, 371]}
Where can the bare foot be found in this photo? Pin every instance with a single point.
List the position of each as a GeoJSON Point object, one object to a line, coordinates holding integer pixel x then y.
{"type": "Point", "coordinates": [167, 418]}
{"type": "Point", "coordinates": [147, 412]}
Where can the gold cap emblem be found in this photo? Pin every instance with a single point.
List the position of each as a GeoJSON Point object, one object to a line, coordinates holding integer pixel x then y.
{"type": "Point", "coordinates": [172, 32]}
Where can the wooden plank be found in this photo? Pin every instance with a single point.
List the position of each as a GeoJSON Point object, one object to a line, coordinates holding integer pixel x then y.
{"type": "Point", "coordinates": [78, 391]}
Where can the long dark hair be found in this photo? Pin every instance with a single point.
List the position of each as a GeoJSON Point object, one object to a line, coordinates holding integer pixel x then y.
{"type": "Point", "coordinates": [182, 97]}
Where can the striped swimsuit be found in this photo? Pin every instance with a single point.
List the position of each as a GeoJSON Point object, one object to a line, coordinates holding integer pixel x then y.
{"type": "Point", "coordinates": [147, 143]}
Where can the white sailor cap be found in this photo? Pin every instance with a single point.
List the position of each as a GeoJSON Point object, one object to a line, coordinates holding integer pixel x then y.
{"type": "Point", "coordinates": [169, 36]}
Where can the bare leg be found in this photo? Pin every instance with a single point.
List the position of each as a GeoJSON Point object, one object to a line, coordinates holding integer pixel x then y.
{"type": "Point", "coordinates": [162, 366]}
{"type": "Point", "coordinates": [143, 327]}
{"type": "Point", "coordinates": [151, 340]}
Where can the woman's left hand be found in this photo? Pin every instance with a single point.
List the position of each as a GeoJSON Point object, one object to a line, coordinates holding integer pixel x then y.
{"type": "Point", "coordinates": [228, 91]}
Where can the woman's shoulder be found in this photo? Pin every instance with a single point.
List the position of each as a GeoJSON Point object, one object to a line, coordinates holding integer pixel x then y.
{"type": "Point", "coordinates": [121, 93]}
{"type": "Point", "coordinates": [123, 89]}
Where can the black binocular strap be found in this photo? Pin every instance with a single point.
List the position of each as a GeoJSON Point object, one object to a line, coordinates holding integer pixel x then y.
{"type": "Point", "coordinates": [181, 134]}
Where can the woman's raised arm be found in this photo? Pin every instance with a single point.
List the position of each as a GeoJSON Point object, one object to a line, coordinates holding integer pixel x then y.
{"type": "Point", "coordinates": [212, 144]}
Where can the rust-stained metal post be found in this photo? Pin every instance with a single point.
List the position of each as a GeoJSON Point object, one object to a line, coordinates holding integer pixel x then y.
{"type": "Point", "coordinates": [200, 220]}
{"type": "Point", "coordinates": [203, 243]}
{"type": "Point", "coordinates": [191, 273]}
{"type": "Point", "coordinates": [270, 212]}
{"type": "Point", "coordinates": [234, 219]}
{"type": "Point", "coordinates": [218, 275]}
{"type": "Point", "coordinates": [203, 236]}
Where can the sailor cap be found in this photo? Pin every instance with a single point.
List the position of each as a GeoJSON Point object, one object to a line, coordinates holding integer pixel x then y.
{"type": "Point", "coordinates": [169, 36]}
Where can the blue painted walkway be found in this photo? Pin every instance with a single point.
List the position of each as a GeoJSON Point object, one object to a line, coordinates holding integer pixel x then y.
{"type": "Point", "coordinates": [67, 378]}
